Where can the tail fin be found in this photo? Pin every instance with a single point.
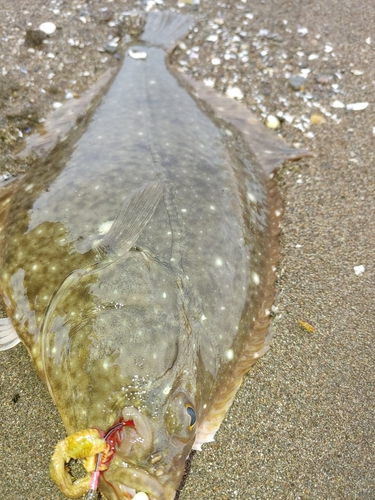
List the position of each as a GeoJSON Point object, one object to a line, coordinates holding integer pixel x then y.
{"type": "Point", "coordinates": [165, 29]}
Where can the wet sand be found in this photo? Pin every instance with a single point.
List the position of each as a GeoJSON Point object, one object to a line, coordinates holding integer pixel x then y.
{"type": "Point", "coordinates": [303, 424]}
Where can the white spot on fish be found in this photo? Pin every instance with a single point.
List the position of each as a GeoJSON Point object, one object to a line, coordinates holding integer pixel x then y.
{"type": "Point", "coordinates": [97, 187]}
{"type": "Point", "coordinates": [35, 266]}
{"type": "Point", "coordinates": [256, 278]}
{"type": "Point", "coordinates": [53, 350]}
{"type": "Point", "coordinates": [105, 365]}
{"type": "Point", "coordinates": [277, 213]}
{"type": "Point", "coordinates": [204, 406]}
{"type": "Point", "coordinates": [164, 295]}
{"type": "Point", "coordinates": [29, 187]}
{"type": "Point", "coordinates": [230, 354]}
{"type": "Point", "coordinates": [203, 317]}
{"type": "Point", "coordinates": [219, 262]}
{"type": "Point", "coordinates": [212, 207]}
{"type": "Point", "coordinates": [222, 308]}
{"type": "Point", "coordinates": [154, 355]}
{"type": "Point", "coordinates": [167, 390]}
{"type": "Point", "coordinates": [183, 209]}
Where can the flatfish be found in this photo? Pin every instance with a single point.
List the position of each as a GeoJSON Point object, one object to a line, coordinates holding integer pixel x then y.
{"type": "Point", "coordinates": [137, 267]}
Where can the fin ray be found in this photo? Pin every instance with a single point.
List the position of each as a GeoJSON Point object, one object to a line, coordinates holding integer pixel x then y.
{"type": "Point", "coordinates": [166, 28]}
{"type": "Point", "coordinates": [132, 219]}
{"type": "Point", "coordinates": [8, 335]}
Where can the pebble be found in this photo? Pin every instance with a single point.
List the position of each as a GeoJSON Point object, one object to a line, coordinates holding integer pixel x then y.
{"type": "Point", "coordinates": [234, 93]}
{"type": "Point", "coordinates": [324, 78]}
{"type": "Point", "coordinates": [317, 119]}
{"type": "Point", "coordinates": [357, 106]}
{"type": "Point", "coordinates": [297, 82]}
{"type": "Point", "coordinates": [272, 122]}
{"type": "Point", "coordinates": [48, 28]}
{"type": "Point", "coordinates": [356, 72]}
{"type": "Point", "coordinates": [275, 37]}
{"type": "Point", "coordinates": [110, 47]}
{"type": "Point", "coordinates": [215, 61]}
{"type": "Point", "coordinates": [302, 31]}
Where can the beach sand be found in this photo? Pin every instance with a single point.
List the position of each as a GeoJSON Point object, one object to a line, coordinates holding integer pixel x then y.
{"type": "Point", "coordinates": [302, 425]}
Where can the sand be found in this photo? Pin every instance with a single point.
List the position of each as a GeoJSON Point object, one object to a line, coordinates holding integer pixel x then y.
{"type": "Point", "coordinates": [302, 425]}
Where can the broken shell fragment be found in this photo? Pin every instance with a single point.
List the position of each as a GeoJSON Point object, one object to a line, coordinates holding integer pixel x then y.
{"type": "Point", "coordinates": [357, 106]}
{"type": "Point", "coordinates": [234, 93]}
{"type": "Point", "coordinates": [137, 54]}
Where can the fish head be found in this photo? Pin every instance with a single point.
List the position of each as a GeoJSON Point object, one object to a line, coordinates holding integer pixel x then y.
{"type": "Point", "coordinates": [127, 354]}
{"type": "Point", "coordinates": [150, 453]}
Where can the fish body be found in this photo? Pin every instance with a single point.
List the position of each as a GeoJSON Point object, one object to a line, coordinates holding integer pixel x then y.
{"type": "Point", "coordinates": [137, 265]}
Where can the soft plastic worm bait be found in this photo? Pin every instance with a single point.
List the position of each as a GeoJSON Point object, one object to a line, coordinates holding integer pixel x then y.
{"type": "Point", "coordinates": [95, 448]}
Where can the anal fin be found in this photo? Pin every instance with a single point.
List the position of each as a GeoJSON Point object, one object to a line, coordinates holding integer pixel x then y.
{"type": "Point", "coordinates": [8, 335]}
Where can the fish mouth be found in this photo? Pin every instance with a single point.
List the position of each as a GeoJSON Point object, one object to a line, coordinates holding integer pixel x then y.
{"type": "Point", "coordinates": [123, 482]}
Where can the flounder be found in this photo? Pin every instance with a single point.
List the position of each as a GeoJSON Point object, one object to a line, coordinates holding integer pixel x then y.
{"type": "Point", "coordinates": [137, 269]}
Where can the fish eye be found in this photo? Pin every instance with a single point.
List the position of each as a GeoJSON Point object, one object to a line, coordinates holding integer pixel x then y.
{"type": "Point", "coordinates": [193, 418]}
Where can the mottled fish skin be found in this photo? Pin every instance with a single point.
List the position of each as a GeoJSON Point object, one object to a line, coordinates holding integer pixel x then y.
{"type": "Point", "coordinates": [162, 309]}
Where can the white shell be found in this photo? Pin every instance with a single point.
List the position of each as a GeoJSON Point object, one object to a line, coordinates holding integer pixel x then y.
{"type": "Point", "coordinates": [234, 93]}
{"type": "Point", "coordinates": [357, 106]}
{"type": "Point", "coordinates": [48, 28]}
{"type": "Point", "coordinates": [136, 54]}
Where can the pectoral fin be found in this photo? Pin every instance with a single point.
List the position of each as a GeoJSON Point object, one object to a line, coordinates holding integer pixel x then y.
{"type": "Point", "coordinates": [131, 221]}
{"type": "Point", "coordinates": [8, 335]}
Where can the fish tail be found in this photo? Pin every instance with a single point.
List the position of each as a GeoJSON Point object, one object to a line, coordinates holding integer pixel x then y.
{"type": "Point", "coordinates": [166, 28]}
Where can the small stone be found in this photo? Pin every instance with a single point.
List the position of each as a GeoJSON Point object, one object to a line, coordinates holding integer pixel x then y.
{"type": "Point", "coordinates": [212, 38]}
{"type": "Point", "coordinates": [356, 72]}
{"type": "Point", "coordinates": [324, 78]}
{"type": "Point", "coordinates": [312, 57]}
{"type": "Point", "coordinates": [215, 61]}
{"type": "Point", "coordinates": [234, 93]}
{"type": "Point", "coordinates": [302, 31]}
{"type": "Point", "coordinates": [328, 49]}
{"type": "Point", "coordinates": [48, 28]}
{"type": "Point", "coordinates": [317, 119]}
{"type": "Point", "coordinates": [368, 40]}
{"type": "Point", "coordinates": [110, 47]}
{"type": "Point", "coordinates": [359, 270]}
{"type": "Point", "coordinates": [357, 106]}
{"type": "Point", "coordinates": [56, 105]}
{"type": "Point", "coordinates": [297, 82]}
{"type": "Point", "coordinates": [272, 122]}
{"type": "Point", "coordinates": [275, 37]}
